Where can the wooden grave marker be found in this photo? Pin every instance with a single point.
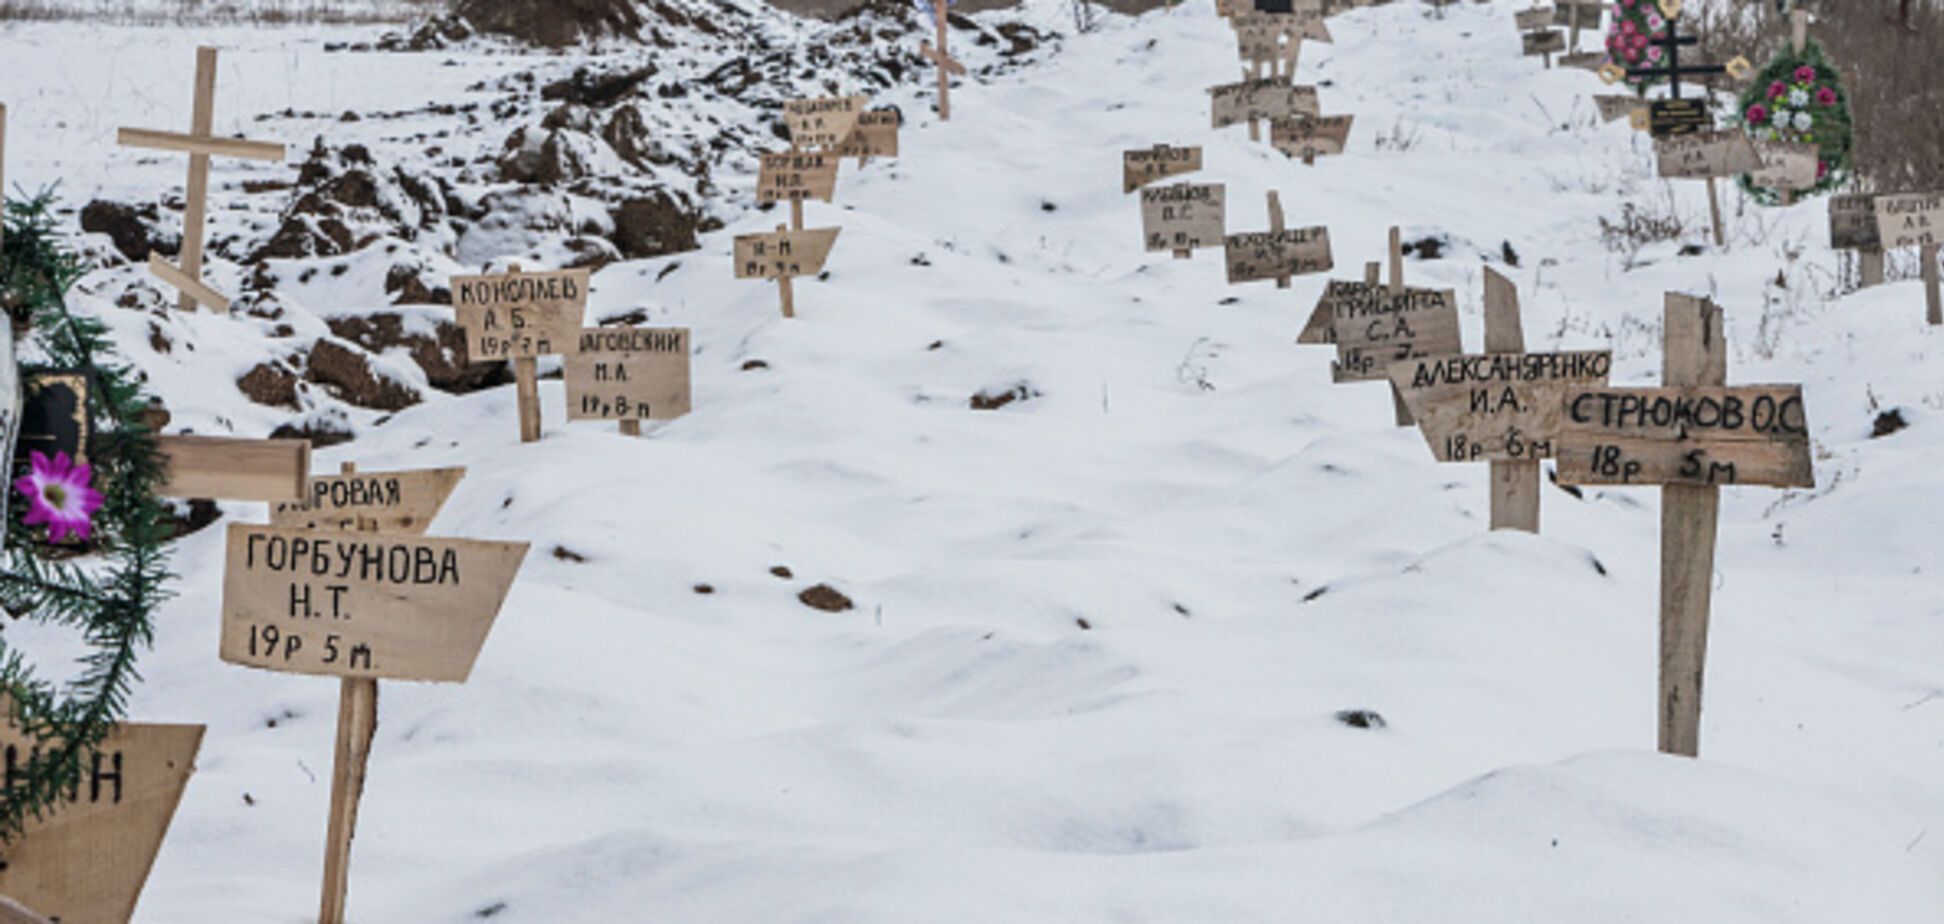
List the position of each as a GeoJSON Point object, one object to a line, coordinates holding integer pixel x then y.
{"type": "Point", "coordinates": [784, 255]}
{"type": "Point", "coordinates": [1916, 220]}
{"type": "Point", "coordinates": [824, 122]}
{"type": "Point", "coordinates": [1307, 137]}
{"type": "Point", "coordinates": [1708, 155]}
{"type": "Point", "coordinates": [1182, 218]}
{"type": "Point", "coordinates": [200, 144]}
{"type": "Point", "coordinates": [1374, 325]}
{"type": "Point", "coordinates": [876, 135]}
{"type": "Point", "coordinates": [370, 502]}
{"type": "Point", "coordinates": [1691, 437]}
{"type": "Point", "coordinates": [629, 374]}
{"type": "Point", "coordinates": [1537, 37]}
{"type": "Point", "coordinates": [793, 176]}
{"type": "Point", "coordinates": [1614, 107]}
{"type": "Point", "coordinates": [85, 861]}
{"type": "Point", "coordinates": [1853, 226]}
{"type": "Point", "coordinates": [521, 317]}
{"type": "Point", "coordinates": [1504, 405]}
{"type": "Point", "coordinates": [941, 55]}
{"type": "Point", "coordinates": [1576, 15]}
{"type": "Point", "coordinates": [1254, 100]}
{"type": "Point", "coordinates": [1278, 253]}
{"type": "Point", "coordinates": [1149, 165]}
{"type": "Point", "coordinates": [1787, 166]}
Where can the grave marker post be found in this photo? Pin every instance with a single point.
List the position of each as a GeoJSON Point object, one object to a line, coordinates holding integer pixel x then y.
{"type": "Point", "coordinates": [1404, 418]}
{"type": "Point", "coordinates": [357, 725]}
{"type": "Point", "coordinates": [521, 316]}
{"type": "Point", "coordinates": [200, 144]}
{"type": "Point", "coordinates": [941, 55]}
{"type": "Point", "coordinates": [1515, 482]}
{"type": "Point", "coordinates": [1916, 220]}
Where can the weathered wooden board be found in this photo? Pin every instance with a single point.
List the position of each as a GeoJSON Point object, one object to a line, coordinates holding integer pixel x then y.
{"type": "Point", "coordinates": [629, 373]}
{"type": "Point", "coordinates": [1259, 39]}
{"type": "Point", "coordinates": [1910, 219]}
{"type": "Point", "coordinates": [1853, 223]}
{"type": "Point", "coordinates": [1263, 255]}
{"type": "Point", "coordinates": [876, 135]}
{"type": "Point", "coordinates": [1185, 216]}
{"type": "Point", "coordinates": [1251, 100]}
{"type": "Point", "coordinates": [1497, 406]}
{"type": "Point", "coordinates": [86, 862]}
{"type": "Point", "coordinates": [1307, 137]}
{"type": "Point", "coordinates": [1373, 328]}
{"type": "Point", "coordinates": [1755, 434]}
{"type": "Point", "coordinates": [1584, 60]}
{"type": "Point", "coordinates": [1785, 165]}
{"type": "Point", "coordinates": [1614, 106]}
{"type": "Point", "coordinates": [362, 604]}
{"type": "Point", "coordinates": [382, 502]}
{"type": "Point", "coordinates": [520, 315]}
{"type": "Point", "coordinates": [793, 176]}
{"type": "Point", "coordinates": [1299, 24]}
{"type": "Point", "coordinates": [1534, 19]}
{"type": "Point", "coordinates": [783, 254]}
{"type": "Point", "coordinates": [233, 469]}
{"type": "Point", "coordinates": [1701, 155]}
{"type": "Point", "coordinates": [1548, 42]}
{"type": "Point", "coordinates": [824, 122]}
{"type": "Point", "coordinates": [1148, 165]}
{"type": "Point", "coordinates": [1589, 13]}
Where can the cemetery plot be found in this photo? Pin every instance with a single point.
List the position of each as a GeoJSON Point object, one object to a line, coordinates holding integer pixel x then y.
{"type": "Point", "coordinates": [1494, 406]}
{"type": "Point", "coordinates": [1183, 217]}
{"type": "Point", "coordinates": [629, 373]}
{"type": "Point", "coordinates": [1149, 165]}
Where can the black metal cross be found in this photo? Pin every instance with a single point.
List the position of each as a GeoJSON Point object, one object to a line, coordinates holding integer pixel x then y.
{"type": "Point", "coordinates": [1673, 42]}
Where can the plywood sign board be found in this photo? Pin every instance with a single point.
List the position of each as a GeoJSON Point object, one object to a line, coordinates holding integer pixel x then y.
{"type": "Point", "coordinates": [876, 135]}
{"type": "Point", "coordinates": [1911, 219]}
{"type": "Point", "coordinates": [1185, 216]}
{"type": "Point", "coordinates": [1701, 155]}
{"type": "Point", "coordinates": [1785, 165]}
{"type": "Point", "coordinates": [629, 373]}
{"type": "Point", "coordinates": [233, 469]}
{"type": "Point", "coordinates": [1498, 406]}
{"type": "Point", "coordinates": [1148, 165]}
{"type": "Point", "coordinates": [1853, 223]}
{"type": "Point", "coordinates": [1543, 43]}
{"type": "Point", "coordinates": [1753, 435]}
{"type": "Point", "coordinates": [1534, 19]}
{"type": "Point", "coordinates": [1613, 107]}
{"type": "Point", "coordinates": [384, 502]}
{"type": "Point", "coordinates": [86, 862]}
{"type": "Point", "coordinates": [520, 315]}
{"type": "Point", "coordinates": [1585, 61]}
{"type": "Point", "coordinates": [824, 122]}
{"type": "Point", "coordinates": [1373, 328]}
{"type": "Point", "coordinates": [1251, 100]}
{"type": "Point", "coordinates": [1309, 137]}
{"type": "Point", "coordinates": [362, 604]}
{"type": "Point", "coordinates": [794, 176]}
{"type": "Point", "coordinates": [1589, 13]}
{"type": "Point", "coordinates": [784, 254]}
{"type": "Point", "coordinates": [1264, 255]}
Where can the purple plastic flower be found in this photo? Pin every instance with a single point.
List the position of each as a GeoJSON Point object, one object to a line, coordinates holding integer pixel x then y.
{"type": "Point", "coordinates": [62, 496]}
{"type": "Point", "coordinates": [1805, 74]}
{"type": "Point", "coordinates": [1778, 89]}
{"type": "Point", "coordinates": [1757, 114]}
{"type": "Point", "coordinates": [1826, 96]}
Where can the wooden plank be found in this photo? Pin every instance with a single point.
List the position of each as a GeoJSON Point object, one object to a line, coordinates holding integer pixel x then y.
{"type": "Point", "coordinates": [1542, 43]}
{"type": "Point", "coordinates": [1149, 165]}
{"type": "Point", "coordinates": [86, 862]}
{"type": "Point", "coordinates": [362, 605]}
{"type": "Point", "coordinates": [1534, 19]}
{"type": "Point", "coordinates": [1786, 165]}
{"type": "Point", "coordinates": [225, 468]}
{"type": "Point", "coordinates": [196, 193]}
{"type": "Point", "coordinates": [1263, 255]}
{"type": "Point", "coordinates": [390, 502]}
{"type": "Point", "coordinates": [793, 176]}
{"type": "Point", "coordinates": [1933, 297]}
{"type": "Point", "coordinates": [520, 315]}
{"type": "Point", "coordinates": [1751, 435]}
{"type": "Point", "coordinates": [206, 145]}
{"type": "Point", "coordinates": [1499, 406]}
{"type": "Point", "coordinates": [1695, 355]}
{"type": "Point", "coordinates": [629, 374]}
{"type": "Point", "coordinates": [1255, 99]}
{"type": "Point", "coordinates": [783, 253]}
{"type": "Point", "coordinates": [1853, 223]}
{"type": "Point", "coordinates": [876, 135]}
{"type": "Point", "coordinates": [357, 725]}
{"type": "Point", "coordinates": [1310, 137]}
{"type": "Point", "coordinates": [1375, 332]}
{"type": "Point", "coordinates": [1184, 216]}
{"type": "Point", "coordinates": [1703, 155]}
{"type": "Point", "coordinates": [1910, 219]}
{"type": "Point", "coordinates": [822, 122]}
{"type": "Point", "coordinates": [194, 291]}
{"type": "Point", "coordinates": [526, 396]}
{"type": "Point", "coordinates": [13, 912]}
{"type": "Point", "coordinates": [1615, 106]}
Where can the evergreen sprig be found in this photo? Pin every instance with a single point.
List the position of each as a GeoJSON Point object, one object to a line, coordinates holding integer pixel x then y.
{"type": "Point", "coordinates": [109, 595]}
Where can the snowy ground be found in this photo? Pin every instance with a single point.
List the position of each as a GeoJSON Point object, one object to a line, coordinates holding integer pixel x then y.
{"type": "Point", "coordinates": [1102, 635]}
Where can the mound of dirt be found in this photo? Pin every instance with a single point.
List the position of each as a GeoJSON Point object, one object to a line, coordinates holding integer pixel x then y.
{"type": "Point", "coordinates": [553, 23]}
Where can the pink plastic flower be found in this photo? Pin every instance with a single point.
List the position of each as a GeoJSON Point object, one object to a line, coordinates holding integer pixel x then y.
{"type": "Point", "coordinates": [1654, 53]}
{"type": "Point", "coordinates": [1627, 26]}
{"type": "Point", "coordinates": [1757, 114]}
{"type": "Point", "coordinates": [1633, 55]}
{"type": "Point", "coordinates": [1805, 74]}
{"type": "Point", "coordinates": [1628, 3]}
{"type": "Point", "coordinates": [1822, 169]}
{"type": "Point", "coordinates": [62, 496]}
{"type": "Point", "coordinates": [1826, 96]}
{"type": "Point", "coordinates": [1778, 89]}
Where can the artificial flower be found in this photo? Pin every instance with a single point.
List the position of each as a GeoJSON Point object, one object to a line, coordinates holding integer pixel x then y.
{"type": "Point", "coordinates": [62, 496]}
{"type": "Point", "coordinates": [1776, 89]}
{"type": "Point", "coordinates": [1757, 114]}
{"type": "Point", "coordinates": [1798, 98]}
{"type": "Point", "coordinates": [1826, 96]}
{"type": "Point", "coordinates": [1803, 121]}
{"type": "Point", "coordinates": [1805, 74]}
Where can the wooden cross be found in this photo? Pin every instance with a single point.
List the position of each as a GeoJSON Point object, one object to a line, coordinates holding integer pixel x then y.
{"type": "Point", "coordinates": [200, 144]}
{"type": "Point", "coordinates": [1690, 438]}
{"type": "Point", "coordinates": [1673, 42]}
{"type": "Point", "coordinates": [941, 55]}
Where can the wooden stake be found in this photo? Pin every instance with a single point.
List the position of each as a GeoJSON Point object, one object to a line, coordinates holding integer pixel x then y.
{"type": "Point", "coordinates": [357, 725]}
{"type": "Point", "coordinates": [1932, 297]}
{"type": "Point", "coordinates": [944, 61]}
{"type": "Point", "coordinates": [526, 389]}
{"type": "Point", "coordinates": [1714, 214]}
{"type": "Point", "coordinates": [1404, 418]}
{"type": "Point", "coordinates": [1373, 273]}
{"type": "Point", "coordinates": [1515, 483]}
{"type": "Point", "coordinates": [1573, 21]}
{"type": "Point", "coordinates": [3, 177]}
{"type": "Point", "coordinates": [1870, 265]}
{"type": "Point", "coordinates": [631, 428]}
{"type": "Point", "coordinates": [796, 214]}
{"type": "Point", "coordinates": [1253, 73]}
{"type": "Point", "coordinates": [1276, 227]}
{"type": "Point", "coordinates": [1798, 28]}
{"type": "Point", "coordinates": [1696, 355]}
{"type": "Point", "coordinates": [200, 144]}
